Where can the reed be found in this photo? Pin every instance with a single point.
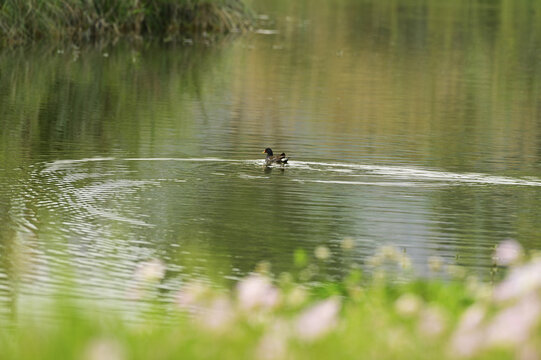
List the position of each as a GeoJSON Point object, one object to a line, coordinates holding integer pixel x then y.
{"type": "Point", "coordinates": [88, 20]}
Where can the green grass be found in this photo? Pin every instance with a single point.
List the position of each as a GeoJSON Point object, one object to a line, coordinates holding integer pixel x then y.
{"type": "Point", "coordinates": [90, 20]}
{"type": "Point", "coordinates": [79, 333]}
{"type": "Point", "coordinates": [270, 318]}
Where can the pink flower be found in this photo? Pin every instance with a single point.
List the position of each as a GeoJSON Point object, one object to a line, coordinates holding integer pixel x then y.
{"type": "Point", "coordinates": [218, 315]}
{"type": "Point", "coordinates": [273, 345]}
{"type": "Point", "coordinates": [191, 295]}
{"type": "Point", "coordinates": [150, 271]}
{"type": "Point", "coordinates": [318, 320]}
{"type": "Point", "coordinates": [146, 276]}
{"type": "Point", "coordinates": [257, 291]}
{"type": "Point", "coordinates": [514, 324]}
{"type": "Point", "coordinates": [469, 337]}
{"type": "Point", "coordinates": [508, 252]}
{"type": "Point", "coordinates": [520, 281]}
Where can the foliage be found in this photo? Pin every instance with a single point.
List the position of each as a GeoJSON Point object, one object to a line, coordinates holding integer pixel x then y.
{"type": "Point", "coordinates": [78, 20]}
{"type": "Point", "coordinates": [283, 318]}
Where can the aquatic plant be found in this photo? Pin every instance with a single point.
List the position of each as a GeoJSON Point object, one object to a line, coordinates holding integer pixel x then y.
{"type": "Point", "coordinates": [85, 20]}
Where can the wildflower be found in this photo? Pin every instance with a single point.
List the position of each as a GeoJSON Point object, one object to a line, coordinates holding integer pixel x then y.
{"type": "Point", "coordinates": [514, 324]}
{"type": "Point", "coordinates": [191, 294]}
{"type": "Point", "coordinates": [375, 260]}
{"type": "Point", "coordinates": [435, 263]}
{"type": "Point", "coordinates": [150, 271]}
{"type": "Point", "coordinates": [297, 296]}
{"type": "Point", "coordinates": [347, 243]}
{"type": "Point", "coordinates": [104, 349]}
{"type": "Point", "coordinates": [273, 345]}
{"type": "Point", "coordinates": [508, 252]}
{"type": "Point", "coordinates": [519, 282]}
{"type": "Point", "coordinates": [469, 337]}
{"type": "Point", "coordinates": [257, 291]}
{"type": "Point", "coordinates": [408, 305]}
{"type": "Point", "coordinates": [322, 252]}
{"type": "Point", "coordinates": [390, 253]}
{"type": "Point", "coordinates": [472, 318]}
{"type": "Point", "coordinates": [146, 276]}
{"type": "Point", "coordinates": [318, 320]}
{"type": "Point", "coordinates": [405, 262]}
{"type": "Point", "coordinates": [217, 315]}
{"type": "Point", "coordinates": [432, 321]}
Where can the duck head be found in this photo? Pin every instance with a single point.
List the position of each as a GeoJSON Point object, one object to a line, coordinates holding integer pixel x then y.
{"type": "Point", "coordinates": [268, 151]}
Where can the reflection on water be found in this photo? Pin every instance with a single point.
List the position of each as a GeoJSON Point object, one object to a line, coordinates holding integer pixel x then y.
{"type": "Point", "coordinates": [415, 125]}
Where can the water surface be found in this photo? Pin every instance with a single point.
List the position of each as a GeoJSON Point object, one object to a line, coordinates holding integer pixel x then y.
{"type": "Point", "coordinates": [416, 125]}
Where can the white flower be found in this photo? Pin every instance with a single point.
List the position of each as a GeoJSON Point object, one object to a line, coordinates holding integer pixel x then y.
{"type": "Point", "coordinates": [318, 320]}
{"type": "Point", "coordinates": [390, 252]}
{"type": "Point", "coordinates": [322, 252]}
{"type": "Point", "coordinates": [150, 271]}
{"type": "Point", "coordinates": [435, 263]}
{"type": "Point", "coordinates": [104, 349]}
{"type": "Point", "coordinates": [256, 291]}
{"type": "Point", "coordinates": [296, 296]}
{"type": "Point", "coordinates": [408, 305]}
{"type": "Point", "coordinates": [508, 252]}
{"type": "Point", "coordinates": [405, 262]}
{"type": "Point", "coordinates": [432, 321]}
{"type": "Point", "coordinates": [347, 243]}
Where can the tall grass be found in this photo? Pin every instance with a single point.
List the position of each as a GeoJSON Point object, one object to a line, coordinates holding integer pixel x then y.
{"type": "Point", "coordinates": [78, 20]}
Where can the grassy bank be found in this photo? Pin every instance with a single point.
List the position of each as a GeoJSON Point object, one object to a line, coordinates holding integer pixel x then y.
{"type": "Point", "coordinates": [286, 317]}
{"type": "Point", "coordinates": [87, 20]}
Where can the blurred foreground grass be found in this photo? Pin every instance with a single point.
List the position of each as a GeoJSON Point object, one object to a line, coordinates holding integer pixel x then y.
{"type": "Point", "coordinates": [285, 317]}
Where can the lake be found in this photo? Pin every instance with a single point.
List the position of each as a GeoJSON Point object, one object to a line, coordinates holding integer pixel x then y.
{"type": "Point", "coordinates": [415, 124]}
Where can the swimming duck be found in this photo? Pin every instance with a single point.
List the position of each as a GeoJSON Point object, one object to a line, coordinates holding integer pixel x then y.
{"type": "Point", "coordinates": [274, 159]}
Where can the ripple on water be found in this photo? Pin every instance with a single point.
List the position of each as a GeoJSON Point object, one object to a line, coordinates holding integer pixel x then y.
{"type": "Point", "coordinates": [402, 172]}
{"type": "Point", "coordinates": [104, 215]}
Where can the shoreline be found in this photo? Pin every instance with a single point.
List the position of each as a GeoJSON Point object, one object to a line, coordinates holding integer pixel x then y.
{"type": "Point", "coordinates": [80, 22]}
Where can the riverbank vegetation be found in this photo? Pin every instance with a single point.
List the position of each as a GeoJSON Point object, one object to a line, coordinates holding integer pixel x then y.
{"type": "Point", "coordinates": [90, 20]}
{"type": "Point", "coordinates": [290, 316]}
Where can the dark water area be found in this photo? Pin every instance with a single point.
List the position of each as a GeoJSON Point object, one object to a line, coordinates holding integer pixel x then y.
{"type": "Point", "coordinates": [416, 125]}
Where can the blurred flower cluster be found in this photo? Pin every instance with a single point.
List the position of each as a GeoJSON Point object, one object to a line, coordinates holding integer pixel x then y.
{"type": "Point", "coordinates": [281, 315]}
{"type": "Point", "coordinates": [510, 317]}
{"type": "Point", "coordinates": [284, 312]}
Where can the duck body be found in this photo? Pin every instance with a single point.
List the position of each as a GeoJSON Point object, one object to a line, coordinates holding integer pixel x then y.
{"type": "Point", "coordinates": [274, 159]}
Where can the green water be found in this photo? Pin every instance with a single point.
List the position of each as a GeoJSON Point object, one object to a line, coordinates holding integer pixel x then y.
{"type": "Point", "coordinates": [415, 124]}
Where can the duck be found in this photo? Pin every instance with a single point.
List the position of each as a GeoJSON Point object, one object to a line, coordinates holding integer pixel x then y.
{"type": "Point", "coordinates": [274, 159]}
